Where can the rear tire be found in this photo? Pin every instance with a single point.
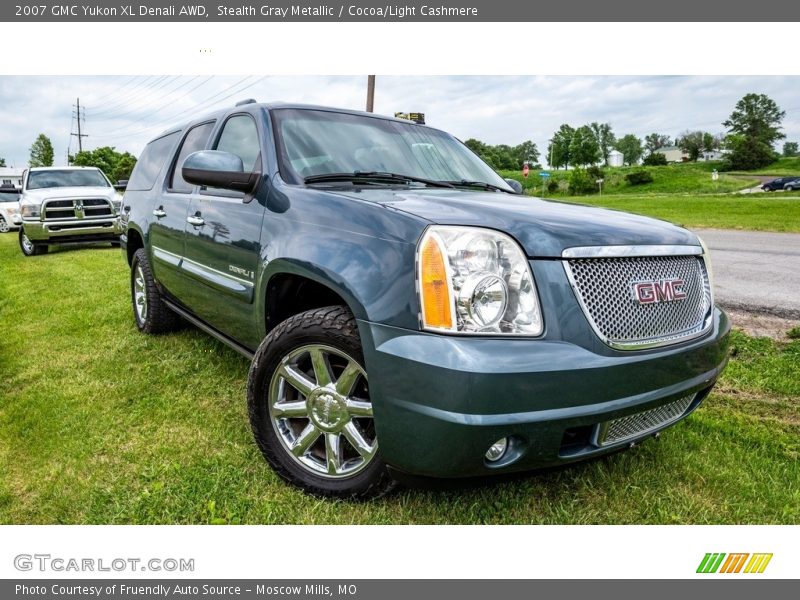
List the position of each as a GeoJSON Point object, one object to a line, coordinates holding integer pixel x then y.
{"type": "Point", "coordinates": [149, 310]}
{"type": "Point", "coordinates": [4, 227]}
{"type": "Point", "coordinates": [310, 410]}
{"type": "Point", "coordinates": [28, 247]}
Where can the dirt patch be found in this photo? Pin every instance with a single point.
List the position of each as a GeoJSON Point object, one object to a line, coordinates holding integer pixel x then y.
{"type": "Point", "coordinates": [761, 325]}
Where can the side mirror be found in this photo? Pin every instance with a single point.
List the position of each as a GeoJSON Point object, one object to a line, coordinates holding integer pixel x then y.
{"type": "Point", "coordinates": [515, 185]}
{"type": "Point", "coordinates": [121, 185]}
{"type": "Point", "coordinates": [214, 168]}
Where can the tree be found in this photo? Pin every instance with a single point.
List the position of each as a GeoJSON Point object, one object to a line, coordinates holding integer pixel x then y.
{"type": "Point", "coordinates": [2, 162]}
{"type": "Point", "coordinates": [558, 150]}
{"type": "Point", "coordinates": [605, 139]}
{"type": "Point", "coordinates": [656, 159]}
{"type": "Point", "coordinates": [789, 149]}
{"type": "Point", "coordinates": [753, 128]}
{"type": "Point", "coordinates": [584, 149]}
{"type": "Point", "coordinates": [656, 141]}
{"type": "Point", "coordinates": [631, 148]}
{"type": "Point", "coordinates": [116, 165]}
{"type": "Point", "coordinates": [526, 152]}
{"type": "Point", "coordinates": [41, 152]}
{"type": "Point", "coordinates": [694, 142]}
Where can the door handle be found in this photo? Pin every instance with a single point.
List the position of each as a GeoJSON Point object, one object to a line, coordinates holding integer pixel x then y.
{"type": "Point", "coordinates": [160, 212]}
{"type": "Point", "coordinates": [195, 220]}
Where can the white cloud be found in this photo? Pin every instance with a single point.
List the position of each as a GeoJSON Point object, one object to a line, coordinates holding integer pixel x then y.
{"type": "Point", "coordinates": [125, 111]}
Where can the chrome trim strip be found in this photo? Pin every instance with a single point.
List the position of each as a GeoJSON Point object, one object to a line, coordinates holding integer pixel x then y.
{"type": "Point", "coordinates": [631, 251]}
{"type": "Point", "coordinates": [166, 256]}
{"type": "Point", "coordinates": [206, 268]}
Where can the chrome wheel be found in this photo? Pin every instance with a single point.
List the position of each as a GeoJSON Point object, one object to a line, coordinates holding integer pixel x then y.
{"type": "Point", "coordinates": [27, 244]}
{"type": "Point", "coordinates": [4, 225]}
{"type": "Point", "coordinates": [139, 294]}
{"type": "Point", "coordinates": [320, 409]}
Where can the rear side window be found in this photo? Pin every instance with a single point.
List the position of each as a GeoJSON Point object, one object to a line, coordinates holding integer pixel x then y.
{"type": "Point", "coordinates": [195, 140]}
{"type": "Point", "coordinates": [150, 162]}
{"type": "Point", "coordinates": [240, 137]}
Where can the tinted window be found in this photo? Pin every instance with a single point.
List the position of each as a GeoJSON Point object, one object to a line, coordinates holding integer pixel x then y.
{"type": "Point", "coordinates": [195, 140]}
{"type": "Point", "coordinates": [150, 162]}
{"type": "Point", "coordinates": [8, 197]}
{"type": "Point", "coordinates": [240, 137]}
{"type": "Point", "coordinates": [66, 178]}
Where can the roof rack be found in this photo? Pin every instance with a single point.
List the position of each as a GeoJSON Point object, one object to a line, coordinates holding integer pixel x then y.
{"type": "Point", "coordinates": [248, 101]}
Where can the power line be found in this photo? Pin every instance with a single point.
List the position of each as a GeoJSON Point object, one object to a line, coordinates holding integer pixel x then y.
{"type": "Point", "coordinates": [160, 106]}
{"type": "Point", "coordinates": [136, 93]}
{"type": "Point", "coordinates": [117, 90]}
{"type": "Point", "coordinates": [204, 104]}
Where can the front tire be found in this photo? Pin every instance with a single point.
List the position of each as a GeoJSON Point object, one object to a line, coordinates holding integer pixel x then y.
{"type": "Point", "coordinates": [28, 247]}
{"type": "Point", "coordinates": [150, 312]}
{"type": "Point", "coordinates": [310, 409]}
{"type": "Point", "coordinates": [4, 227]}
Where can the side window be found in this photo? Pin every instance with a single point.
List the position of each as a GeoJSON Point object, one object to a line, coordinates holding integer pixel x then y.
{"type": "Point", "coordinates": [240, 137]}
{"type": "Point", "coordinates": [195, 140]}
{"type": "Point", "coordinates": [150, 162]}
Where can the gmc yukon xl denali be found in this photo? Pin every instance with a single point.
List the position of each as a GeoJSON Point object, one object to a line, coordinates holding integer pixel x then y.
{"type": "Point", "coordinates": [408, 313]}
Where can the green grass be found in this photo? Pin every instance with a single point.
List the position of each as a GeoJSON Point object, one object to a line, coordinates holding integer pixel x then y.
{"type": "Point", "coordinates": [759, 212]}
{"type": "Point", "coordinates": [780, 168]}
{"type": "Point", "coordinates": [99, 424]}
{"type": "Point", "coordinates": [681, 178]}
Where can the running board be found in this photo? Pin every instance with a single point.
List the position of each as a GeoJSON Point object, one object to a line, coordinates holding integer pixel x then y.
{"type": "Point", "coordinates": [200, 324]}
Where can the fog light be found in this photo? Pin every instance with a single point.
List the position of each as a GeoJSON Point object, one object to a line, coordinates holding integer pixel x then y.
{"type": "Point", "coordinates": [497, 450]}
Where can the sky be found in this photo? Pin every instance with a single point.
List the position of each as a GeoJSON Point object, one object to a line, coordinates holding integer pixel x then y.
{"type": "Point", "coordinates": [126, 111]}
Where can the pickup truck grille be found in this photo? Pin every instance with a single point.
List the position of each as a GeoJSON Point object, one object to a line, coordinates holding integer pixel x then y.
{"type": "Point", "coordinates": [77, 208]}
{"type": "Point", "coordinates": [605, 288]}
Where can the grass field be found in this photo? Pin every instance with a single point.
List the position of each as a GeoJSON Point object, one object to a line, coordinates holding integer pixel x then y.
{"type": "Point", "coordinates": [99, 424]}
{"type": "Point", "coordinates": [681, 178]}
{"type": "Point", "coordinates": [780, 168]}
{"type": "Point", "coordinates": [760, 212]}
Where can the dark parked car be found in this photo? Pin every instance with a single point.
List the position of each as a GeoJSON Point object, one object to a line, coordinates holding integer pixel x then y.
{"type": "Point", "coordinates": [406, 310]}
{"type": "Point", "coordinates": [779, 183]}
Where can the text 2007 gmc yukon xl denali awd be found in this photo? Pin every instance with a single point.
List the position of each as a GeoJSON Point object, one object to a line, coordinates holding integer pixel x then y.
{"type": "Point", "coordinates": [406, 310]}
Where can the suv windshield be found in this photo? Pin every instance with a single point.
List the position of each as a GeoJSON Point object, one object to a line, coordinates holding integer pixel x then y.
{"type": "Point", "coordinates": [66, 178]}
{"type": "Point", "coordinates": [9, 197]}
{"type": "Point", "coordinates": [313, 143]}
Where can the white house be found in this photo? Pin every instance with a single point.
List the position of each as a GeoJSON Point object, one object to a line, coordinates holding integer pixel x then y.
{"type": "Point", "coordinates": [673, 154]}
{"type": "Point", "coordinates": [11, 176]}
{"type": "Point", "coordinates": [712, 155]}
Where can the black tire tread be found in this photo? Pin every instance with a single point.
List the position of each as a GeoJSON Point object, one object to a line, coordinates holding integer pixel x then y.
{"type": "Point", "coordinates": [337, 322]}
{"type": "Point", "coordinates": [160, 319]}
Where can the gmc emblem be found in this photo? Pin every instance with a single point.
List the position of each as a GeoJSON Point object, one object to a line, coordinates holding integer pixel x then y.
{"type": "Point", "coordinates": [652, 292]}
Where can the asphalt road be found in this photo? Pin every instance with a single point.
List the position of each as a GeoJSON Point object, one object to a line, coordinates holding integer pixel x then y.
{"type": "Point", "coordinates": [756, 271]}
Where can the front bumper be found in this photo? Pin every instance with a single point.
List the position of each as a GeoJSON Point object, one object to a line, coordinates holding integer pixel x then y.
{"type": "Point", "coordinates": [72, 230]}
{"type": "Point", "coordinates": [441, 401]}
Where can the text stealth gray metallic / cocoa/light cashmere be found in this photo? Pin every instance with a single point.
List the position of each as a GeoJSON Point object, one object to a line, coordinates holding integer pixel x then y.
{"type": "Point", "coordinates": [407, 311]}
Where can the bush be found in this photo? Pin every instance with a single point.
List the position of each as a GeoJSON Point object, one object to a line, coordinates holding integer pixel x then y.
{"type": "Point", "coordinates": [552, 186]}
{"type": "Point", "coordinates": [639, 177]}
{"type": "Point", "coordinates": [581, 183]}
{"type": "Point", "coordinates": [594, 172]}
{"type": "Point", "coordinates": [655, 159]}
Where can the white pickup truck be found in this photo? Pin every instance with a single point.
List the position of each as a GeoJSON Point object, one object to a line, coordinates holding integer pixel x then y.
{"type": "Point", "coordinates": [66, 205]}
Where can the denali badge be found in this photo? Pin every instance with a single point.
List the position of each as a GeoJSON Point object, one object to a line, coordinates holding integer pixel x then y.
{"type": "Point", "coordinates": [652, 292]}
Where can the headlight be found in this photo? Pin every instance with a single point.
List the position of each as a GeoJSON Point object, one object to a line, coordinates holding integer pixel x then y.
{"type": "Point", "coordinates": [30, 211]}
{"type": "Point", "coordinates": [117, 202]}
{"type": "Point", "coordinates": [476, 281]}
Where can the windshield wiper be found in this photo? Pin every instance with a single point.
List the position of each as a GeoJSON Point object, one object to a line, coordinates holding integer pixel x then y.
{"type": "Point", "coordinates": [479, 184]}
{"type": "Point", "coordinates": [374, 176]}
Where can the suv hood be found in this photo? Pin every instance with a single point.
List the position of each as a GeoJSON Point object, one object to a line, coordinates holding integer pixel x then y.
{"type": "Point", "coordinates": [39, 195]}
{"type": "Point", "coordinates": [544, 228]}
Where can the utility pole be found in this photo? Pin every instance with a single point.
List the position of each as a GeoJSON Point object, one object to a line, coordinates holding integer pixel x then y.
{"type": "Point", "coordinates": [79, 135]}
{"type": "Point", "coordinates": [370, 92]}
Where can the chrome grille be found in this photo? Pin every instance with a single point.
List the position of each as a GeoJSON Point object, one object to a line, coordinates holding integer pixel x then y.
{"type": "Point", "coordinates": [604, 288]}
{"type": "Point", "coordinates": [65, 208]}
{"type": "Point", "coordinates": [626, 428]}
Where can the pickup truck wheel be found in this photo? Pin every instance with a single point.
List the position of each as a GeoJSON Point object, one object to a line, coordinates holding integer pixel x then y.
{"type": "Point", "coordinates": [310, 408]}
{"type": "Point", "coordinates": [28, 247]}
{"type": "Point", "coordinates": [152, 315]}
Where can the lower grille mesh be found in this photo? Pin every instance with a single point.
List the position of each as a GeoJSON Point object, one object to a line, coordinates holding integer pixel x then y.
{"type": "Point", "coordinates": [625, 428]}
